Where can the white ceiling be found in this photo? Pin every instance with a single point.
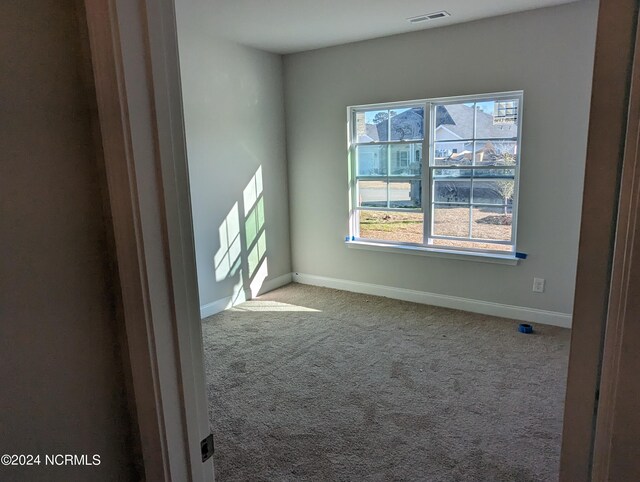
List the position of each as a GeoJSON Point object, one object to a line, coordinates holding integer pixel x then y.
{"type": "Point", "coordinates": [287, 26]}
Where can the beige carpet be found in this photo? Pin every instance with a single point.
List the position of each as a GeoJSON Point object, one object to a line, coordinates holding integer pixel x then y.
{"type": "Point", "coordinates": [309, 383]}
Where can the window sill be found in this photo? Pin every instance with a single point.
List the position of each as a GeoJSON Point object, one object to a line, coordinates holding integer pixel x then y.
{"type": "Point", "coordinates": [508, 259]}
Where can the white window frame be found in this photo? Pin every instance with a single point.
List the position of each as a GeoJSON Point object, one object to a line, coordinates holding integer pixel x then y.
{"type": "Point", "coordinates": [427, 169]}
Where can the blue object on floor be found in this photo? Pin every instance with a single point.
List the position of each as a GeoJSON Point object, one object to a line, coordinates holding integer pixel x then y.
{"type": "Point", "coordinates": [525, 328]}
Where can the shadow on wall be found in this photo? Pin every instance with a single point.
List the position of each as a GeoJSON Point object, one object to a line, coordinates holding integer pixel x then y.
{"type": "Point", "coordinates": [243, 243]}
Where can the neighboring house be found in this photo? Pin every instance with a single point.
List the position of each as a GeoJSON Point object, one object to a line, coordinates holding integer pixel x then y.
{"type": "Point", "coordinates": [455, 122]}
{"type": "Point", "coordinates": [403, 159]}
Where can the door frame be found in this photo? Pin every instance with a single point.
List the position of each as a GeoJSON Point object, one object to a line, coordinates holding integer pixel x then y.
{"type": "Point", "coordinates": [614, 51]}
{"type": "Point", "coordinates": [134, 55]}
{"type": "Point", "coordinates": [616, 440]}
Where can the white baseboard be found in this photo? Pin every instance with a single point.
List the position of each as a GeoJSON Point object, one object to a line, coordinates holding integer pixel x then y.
{"type": "Point", "coordinates": [216, 307]}
{"type": "Point", "coordinates": [222, 304]}
{"type": "Point", "coordinates": [521, 313]}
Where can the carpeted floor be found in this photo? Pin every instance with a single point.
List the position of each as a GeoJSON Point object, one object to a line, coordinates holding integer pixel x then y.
{"type": "Point", "coordinates": [309, 383]}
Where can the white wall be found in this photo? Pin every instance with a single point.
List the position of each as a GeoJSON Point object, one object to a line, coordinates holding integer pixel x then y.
{"type": "Point", "coordinates": [548, 53]}
{"type": "Point", "coordinates": [62, 382]}
{"type": "Point", "coordinates": [234, 116]}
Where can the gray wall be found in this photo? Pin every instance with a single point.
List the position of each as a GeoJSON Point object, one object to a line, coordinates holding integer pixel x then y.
{"type": "Point", "coordinates": [234, 116]}
{"type": "Point", "coordinates": [548, 53]}
{"type": "Point", "coordinates": [63, 389]}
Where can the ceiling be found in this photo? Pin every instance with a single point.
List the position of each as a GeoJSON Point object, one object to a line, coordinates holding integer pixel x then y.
{"type": "Point", "coordinates": [287, 26]}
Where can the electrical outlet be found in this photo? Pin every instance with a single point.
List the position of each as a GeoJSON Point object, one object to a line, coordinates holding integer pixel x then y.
{"type": "Point", "coordinates": [538, 285]}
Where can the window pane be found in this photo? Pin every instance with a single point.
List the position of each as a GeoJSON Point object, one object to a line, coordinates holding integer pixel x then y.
{"type": "Point", "coordinates": [471, 245]}
{"type": "Point", "coordinates": [450, 220]}
{"type": "Point", "coordinates": [407, 124]}
{"type": "Point", "coordinates": [406, 159]}
{"type": "Point", "coordinates": [371, 125]}
{"type": "Point", "coordinates": [371, 160]}
{"type": "Point", "coordinates": [372, 194]}
{"type": "Point", "coordinates": [453, 153]}
{"type": "Point", "coordinates": [452, 191]}
{"type": "Point", "coordinates": [454, 121]}
{"type": "Point", "coordinates": [407, 194]}
{"type": "Point", "coordinates": [496, 153]}
{"type": "Point", "coordinates": [391, 226]}
{"type": "Point", "coordinates": [497, 119]}
{"type": "Point", "coordinates": [359, 133]}
{"type": "Point", "coordinates": [493, 191]}
{"type": "Point", "coordinates": [491, 223]}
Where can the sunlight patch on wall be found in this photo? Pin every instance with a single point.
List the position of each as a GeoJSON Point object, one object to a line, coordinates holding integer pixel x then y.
{"type": "Point", "coordinates": [243, 243]}
{"type": "Point", "coordinates": [257, 254]}
{"type": "Point", "coordinates": [227, 260]}
{"type": "Point", "coordinates": [254, 223]}
{"type": "Point", "coordinates": [239, 294]}
{"type": "Point", "coordinates": [258, 279]}
{"type": "Point", "coordinates": [254, 227]}
{"type": "Point", "coordinates": [252, 191]}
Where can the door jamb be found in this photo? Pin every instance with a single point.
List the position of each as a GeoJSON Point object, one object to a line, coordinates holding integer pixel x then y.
{"type": "Point", "coordinates": [615, 41]}
{"type": "Point", "coordinates": [623, 304]}
{"type": "Point", "coordinates": [136, 72]}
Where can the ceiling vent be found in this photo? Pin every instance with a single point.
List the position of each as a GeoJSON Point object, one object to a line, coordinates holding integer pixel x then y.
{"type": "Point", "coordinates": [428, 16]}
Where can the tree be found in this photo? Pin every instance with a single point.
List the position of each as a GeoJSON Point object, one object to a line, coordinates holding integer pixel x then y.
{"type": "Point", "coordinates": [383, 116]}
{"type": "Point", "coordinates": [504, 187]}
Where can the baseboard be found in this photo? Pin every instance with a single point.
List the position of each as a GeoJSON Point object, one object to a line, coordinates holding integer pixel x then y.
{"type": "Point", "coordinates": [521, 313]}
{"type": "Point", "coordinates": [216, 307]}
{"type": "Point", "coordinates": [225, 303]}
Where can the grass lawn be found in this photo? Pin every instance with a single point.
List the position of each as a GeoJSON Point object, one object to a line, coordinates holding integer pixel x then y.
{"type": "Point", "coordinates": [488, 223]}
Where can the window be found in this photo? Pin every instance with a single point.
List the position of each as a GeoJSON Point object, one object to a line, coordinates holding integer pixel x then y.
{"type": "Point", "coordinates": [463, 198]}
